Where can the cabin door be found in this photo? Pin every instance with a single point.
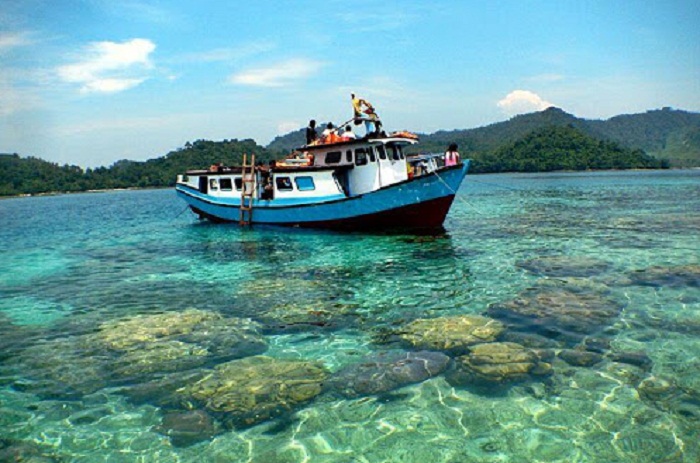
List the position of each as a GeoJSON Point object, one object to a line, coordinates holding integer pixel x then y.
{"type": "Point", "coordinates": [203, 184]}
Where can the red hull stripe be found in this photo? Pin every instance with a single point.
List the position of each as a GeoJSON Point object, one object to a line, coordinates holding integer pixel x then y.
{"type": "Point", "coordinates": [427, 215]}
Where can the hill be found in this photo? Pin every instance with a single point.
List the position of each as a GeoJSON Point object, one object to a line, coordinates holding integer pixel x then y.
{"type": "Point", "coordinates": [32, 175]}
{"type": "Point", "coordinates": [665, 133]}
{"type": "Point", "coordinates": [563, 148]}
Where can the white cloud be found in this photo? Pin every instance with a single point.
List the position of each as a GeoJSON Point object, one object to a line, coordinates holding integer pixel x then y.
{"type": "Point", "coordinates": [9, 40]}
{"type": "Point", "coordinates": [110, 67]}
{"type": "Point", "coordinates": [522, 101]}
{"type": "Point", "coordinates": [277, 75]}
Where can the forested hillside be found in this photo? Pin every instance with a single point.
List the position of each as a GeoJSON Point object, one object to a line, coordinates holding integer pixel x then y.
{"type": "Point", "coordinates": [31, 175]}
{"type": "Point", "coordinates": [665, 134]}
{"type": "Point", "coordinates": [563, 148]}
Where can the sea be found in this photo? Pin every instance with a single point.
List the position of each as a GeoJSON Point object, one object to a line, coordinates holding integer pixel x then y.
{"type": "Point", "coordinates": [556, 318]}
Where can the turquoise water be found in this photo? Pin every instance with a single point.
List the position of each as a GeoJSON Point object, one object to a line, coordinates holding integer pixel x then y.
{"type": "Point", "coordinates": [131, 332]}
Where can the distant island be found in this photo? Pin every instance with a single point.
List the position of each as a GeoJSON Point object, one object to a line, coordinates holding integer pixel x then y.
{"type": "Point", "coordinates": [548, 140]}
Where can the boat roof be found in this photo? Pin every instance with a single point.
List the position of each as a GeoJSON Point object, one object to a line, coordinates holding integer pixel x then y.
{"type": "Point", "coordinates": [361, 141]}
{"type": "Point", "coordinates": [276, 169]}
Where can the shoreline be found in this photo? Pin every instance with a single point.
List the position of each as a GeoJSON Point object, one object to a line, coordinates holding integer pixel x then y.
{"type": "Point", "coordinates": [61, 193]}
{"type": "Point", "coordinates": [588, 171]}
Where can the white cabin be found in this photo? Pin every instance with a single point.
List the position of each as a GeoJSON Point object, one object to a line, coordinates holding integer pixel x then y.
{"type": "Point", "coordinates": [346, 168]}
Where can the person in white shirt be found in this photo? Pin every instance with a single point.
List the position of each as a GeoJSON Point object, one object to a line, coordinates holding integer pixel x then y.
{"type": "Point", "coordinates": [348, 134]}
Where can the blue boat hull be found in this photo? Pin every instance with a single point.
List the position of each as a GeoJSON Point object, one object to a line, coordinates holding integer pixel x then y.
{"type": "Point", "coordinates": [418, 203]}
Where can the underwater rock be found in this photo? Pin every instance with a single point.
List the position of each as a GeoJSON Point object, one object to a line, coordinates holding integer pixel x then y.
{"type": "Point", "coordinates": [666, 395]}
{"type": "Point", "coordinates": [669, 277]}
{"type": "Point", "coordinates": [579, 358]}
{"type": "Point", "coordinates": [13, 338]}
{"type": "Point", "coordinates": [597, 345]}
{"type": "Point", "coordinates": [638, 359]}
{"type": "Point", "coordinates": [165, 356]}
{"type": "Point", "coordinates": [12, 450]}
{"type": "Point", "coordinates": [162, 391]}
{"type": "Point", "coordinates": [185, 428]}
{"type": "Point", "coordinates": [65, 368]}
{"type": "Point", "coordinates": [497, 362]}
{"type": "Point", "coordinates": [295, 317]}
{"type": "Point", "coordinates": [283, 288]}
{"type": "Point", "coordinates": [565, 266]}
{"type": "Point", "coordinates": [531, 340]}
{"type": "Point", "coordinates": [133, 350]}
{"type": "Point", "coordinates": [557, 314]}
{"type": "Point", "coordinates": [624, 372]}
{"type": "Point", "coordinates": [168, 342]}
{"type": "Point", "coordinates": [89, 416]}
{"type": "Point", "coordinates": [574, 285]}
{"type": "Point", "coordinates": [227, 338]}
{"type": "Point", "coordinates": [125, 333]}
{"type": "Point", "coordinates": [387, 371]}
{"type": "Point", "coordinates": [255, 389]}
{"type": "Point", "coordinates": [451, 334]}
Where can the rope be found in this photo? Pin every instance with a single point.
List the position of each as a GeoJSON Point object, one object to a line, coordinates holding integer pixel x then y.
{"type": "Point", "coordinates": [181, 212]}
{"type": "Point", "coordinates": [476, 209]}
{"type": "Point", "coordinates": [497, 184]}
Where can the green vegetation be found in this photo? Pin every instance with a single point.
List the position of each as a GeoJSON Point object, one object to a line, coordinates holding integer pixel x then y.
{"type": "Point", "coordinates": [32, 176]}
{"type": "Point", "coordinates": [666, 134]}
{"type": "Point", "coordinates": [563, 148]}
{"type": "Point", "coordinates": [544, 141]}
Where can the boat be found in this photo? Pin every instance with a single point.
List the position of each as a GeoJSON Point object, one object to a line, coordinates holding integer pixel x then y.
{"type": "Point", "coordinates": [358, 184]}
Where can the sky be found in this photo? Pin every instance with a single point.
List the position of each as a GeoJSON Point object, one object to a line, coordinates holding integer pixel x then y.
{"type": "Point", "coordinates": [90, 82]}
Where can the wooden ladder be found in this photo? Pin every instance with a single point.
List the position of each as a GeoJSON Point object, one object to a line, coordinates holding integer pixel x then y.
{"type": "Point", "coordinates": [247, 190]}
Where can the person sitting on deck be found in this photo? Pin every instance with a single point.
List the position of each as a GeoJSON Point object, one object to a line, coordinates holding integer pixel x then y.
{"type": "Point", "coordinates": [452, 156]}
{"type": "Point", "coordinates": [330, 135]}
{"type": "Point", "coordinates": [348, 134]}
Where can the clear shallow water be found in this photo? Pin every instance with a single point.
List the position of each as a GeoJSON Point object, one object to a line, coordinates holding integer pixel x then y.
{"type": "Point", "coordinates": [616, 253]}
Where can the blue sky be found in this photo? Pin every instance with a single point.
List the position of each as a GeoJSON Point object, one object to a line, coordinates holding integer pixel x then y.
{"type": "Point", "coordinates": [89, 82]}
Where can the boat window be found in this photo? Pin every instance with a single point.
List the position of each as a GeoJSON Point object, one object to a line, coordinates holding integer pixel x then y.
{"type": "Point", "coordinates": [382, 152]}
{"type": "Point", "coordinates": [333, 157]}
{"type": "Point", "coordinates": [213, 184]}
{"type": "Point", "coordinates": [283, 183]}
{"type": "Point", "coordinates": [239, 183]}
{"type": "Point", "coordinates": [185, 179]}
{"type": "Point", "coordinates": [305, 183]}
{"type": "Point", "coordinates": [348, 156]}
{"type": "Point", "coordinates": [360, 157]}
{"type": "Point", "coordinates": [225, 184]}
{"type": "Point", "coordinates": [366, 153]}
{"type": "Point", "coordinates": [395, 153]}
{"type": "Point", "coordinates": [372, 156]}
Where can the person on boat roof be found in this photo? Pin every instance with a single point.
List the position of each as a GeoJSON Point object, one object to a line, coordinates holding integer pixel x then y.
{"type": "Point", "coordinates": [364, 111]}
{"type": "Point", "coordinates": [330, 135]}
{"type": "Point", "coordinates": [311, 135]}
{"type": "Point", "coordinates": [348, 134]}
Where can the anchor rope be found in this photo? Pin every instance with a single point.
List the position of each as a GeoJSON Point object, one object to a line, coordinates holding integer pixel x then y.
{"type": "Point", "coordinates": [460, 198]}
{"type": "Point", "coordinates": [181, 212]}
